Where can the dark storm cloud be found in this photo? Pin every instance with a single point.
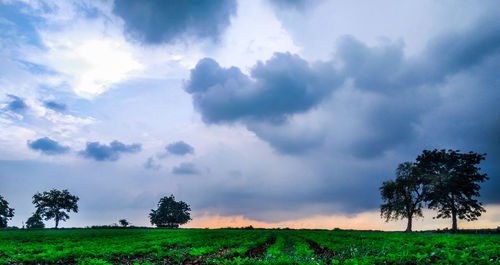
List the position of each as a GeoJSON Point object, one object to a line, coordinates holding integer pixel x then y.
{"type": "Point", "coordinates": [401, 89]}
{"type": "Point", "coordinates": [111, 152]}
{"type": "Point", "coordinates": [179, 148]}
{"type": "Point", "coordinates": [385, 69]}
{"type": "Point", "coordinates": [372, 68]}
{"type": "Point", "coordinates": [156, 22]}
{"type": "Point", "coordinates": [451, 53]}
{"type": "Point", "coordinates": [282, 86]}
{"type": "Point", "coordinates": [48, 146]}
{"type": "Point", "coordinates": [186, 169]}
{"type": "Point", "coordinates": [331, 195]}
{"type": "Point", "coordinates": [289, 142]}
{"type": "Point", "coordinates": [401, 82]}
{"type": "Point", "coordinates": [56, 106]}
{"type": "Point", "coordinates": [16, 104]}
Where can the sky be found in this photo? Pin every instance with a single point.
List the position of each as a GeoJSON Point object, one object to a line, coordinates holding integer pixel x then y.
{"type": "Point", "coordinates": [271, 113]}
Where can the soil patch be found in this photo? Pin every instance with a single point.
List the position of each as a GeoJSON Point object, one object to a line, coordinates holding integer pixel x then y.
{"type": "Point", "coordinates": [260, 250]}
{"type": "Point", "coordinates": [321, 252]}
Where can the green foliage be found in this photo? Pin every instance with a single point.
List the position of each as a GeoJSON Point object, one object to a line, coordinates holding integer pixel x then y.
{"type": "Point", "coordinates": [453, 179]}
{"type": "Point", "coordinates": [155, 246]}
{"type": "Point", "coordinates": [170, 213]}
{"type": "Point", "coordinates": [35, 221]}
{"type": "Point", "coordinates": [6, 213]}
{"type": "Point", "coordinates": [446, 180]}
{"type": "Point", "coordinates": [54, 204]}
{"type": "Point", "coordinates": [403, 197]}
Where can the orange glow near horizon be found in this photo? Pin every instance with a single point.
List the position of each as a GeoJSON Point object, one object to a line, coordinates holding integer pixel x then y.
{"type": "Point", "coordinates": [369, 220]}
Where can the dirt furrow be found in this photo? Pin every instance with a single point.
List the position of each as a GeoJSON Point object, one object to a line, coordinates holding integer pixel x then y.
{"type": "Point", "coordinates": [320, 251]}
{"type": "Point", "coordinates": [260, 250]}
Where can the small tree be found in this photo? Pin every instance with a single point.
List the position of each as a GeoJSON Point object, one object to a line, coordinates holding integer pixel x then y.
{"type": "Point", "coordinates": [453, 179]}
{"type": "Point", "coordinates": [55, 204]}
{"type": "Point", "coordinates": [6, 213]}
{"type": "Point", "coordinates": [403, 197]}
{"type": "Point", "coordinates": [170, 213]}
{"type": "Point", "coordinates": [123, 222]}
{"type": "Point", "coordinates": [35, 221]}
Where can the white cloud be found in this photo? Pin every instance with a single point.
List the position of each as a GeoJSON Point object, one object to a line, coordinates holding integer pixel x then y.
{"type": "Point", "coordinates": [92, 64]}
{"type": "Point", "coordinates": [255, 34]}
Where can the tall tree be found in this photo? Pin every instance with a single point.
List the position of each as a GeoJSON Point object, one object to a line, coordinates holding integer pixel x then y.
{"type": "Point", "coordinates": [54, 204]}
{"type": "Point", "coordinates": [403, 197]}
{"type": "Point", "coordinates": [453, 179]}
{"type": "Point", "coordinates": [170, 213]}
{"type": "Point", "coordinates": [6, 213]}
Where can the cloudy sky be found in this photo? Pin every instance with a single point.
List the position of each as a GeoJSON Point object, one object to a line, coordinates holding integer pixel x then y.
{"type": "Point", "coordinates": [263, 112]}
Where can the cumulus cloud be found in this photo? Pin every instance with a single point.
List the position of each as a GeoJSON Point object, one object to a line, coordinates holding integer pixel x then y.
{"type": "Point", "coordinates": [284, 85]}
{"type": "Point", "coordinates": [111, 152]}
{"type": "Point", "coordinates": [393, 91]}
{"type": "Point", "coordinates": [16, 104]}
{"type": "Point", "coordinates": [408, 88]}
{"type": "Point", "coordinates": [48, 146]}
{"type": "Point", "coordinates": [186, 168]}
{"type": "Point", "coordinates": [156, 22]}
{"type": "Point", "coordinates": [179, 148]}
{"type": "Point", "coordinates": [384, 68]}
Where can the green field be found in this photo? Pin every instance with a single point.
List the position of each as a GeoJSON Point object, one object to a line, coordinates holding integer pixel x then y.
{"type": "Point", "coordinates": [158, 246]}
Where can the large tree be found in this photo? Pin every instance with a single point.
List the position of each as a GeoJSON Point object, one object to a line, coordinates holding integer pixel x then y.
{"type": "Point", "coordinates": [453, 179]}
{"type": "Point", "coordinates": [6, 213]}
{"type": "Point", "coordinates": [403, 197]}
{"type": "Point", "coordinates": [54, 204]}
{"type": "Point", "coordinates": [170, 213]}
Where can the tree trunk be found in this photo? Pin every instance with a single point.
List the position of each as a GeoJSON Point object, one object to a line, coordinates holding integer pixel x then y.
{"type": "Point", "coordinates": [454, 227]}
{"type": "Point", "coordinates": [57, 222]}
{"type": "Point", "coordinates": [408, 227]}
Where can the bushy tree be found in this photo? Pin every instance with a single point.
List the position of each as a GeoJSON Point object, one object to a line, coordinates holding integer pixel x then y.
{"type": "Point", "coordinates": [35, 221]}
{"type": "Point", "coordinates": [453, 183]}
{"type": "Point", "coordinates": [170, 213]}
{"type": "Point", "coordinates": [54, 204]}
{"type": "Point", "coordinates": [403, 197]}
{"type": "Point", "coordinates": [123, 222]}
{"type": "Point", "coordinates": [6, 213]}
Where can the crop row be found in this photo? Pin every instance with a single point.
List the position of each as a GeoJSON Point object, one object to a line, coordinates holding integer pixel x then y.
{"type": "Point", "coordinates": [304, 247]}
{"type": "Point", "coordinates": [121, 246]}
{"type": "Point", "coordinates": [350, 247]}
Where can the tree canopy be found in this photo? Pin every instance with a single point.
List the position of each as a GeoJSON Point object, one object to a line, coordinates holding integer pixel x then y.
{"type": "Point", "coordinates": [453, 179]}
{"type": "Point", "coordinates": [445, 180]}
{"type": "Point", "coordinates": [124, 222]}
{"type": "Point", "coordinates": [170, 213]}
{"type": "Point", "coordinates": [403, 197]}
{"type": "Point", "coordinates": [35, 221]}
{"type": "Point", "coordinates": [6, 213]}
{"type": "Point", "coordinates": [54, 204]}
